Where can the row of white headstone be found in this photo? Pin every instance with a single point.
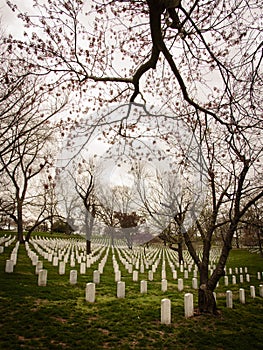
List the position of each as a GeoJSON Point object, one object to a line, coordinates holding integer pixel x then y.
{"type": "Point", "coordinates": [166, 314]}
{"type": "Point", "coordinates": [11, 262]}
{"type": "Point", "coordinates": [242, 295]}
{"type": "Point", "coordinates": [126, 261]}
{"type": "Point", "coordinates": [90, 288]}
{"type": "Point", "coordinates": [153, 258]}
{"type": "Point", "coordinates": [136, 258]}
{"type": "Point", "coordinates": [189, 304]}
{"type": "Point", "coordinates": [7, 240]}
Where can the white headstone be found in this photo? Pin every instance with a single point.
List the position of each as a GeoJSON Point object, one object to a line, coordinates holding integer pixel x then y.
{"type": "Point", "coordinates": [101, 267]}
{"type": "Point", "coordinates": [135, 276]}
{"type": "Point", "coordinates": [90, 292]}
{"type": "Point", "coordinates": [96, 276]}
{"type": "Point", "coordinates": [242, 296]}
{"type": "Point", "coordinates": [120, 289]}
{"type": "Point", "coordinates": [39, 266]}
{"type": "Point", "coordinates": [180, 284]}
{"type": "Point", "coordinates": [42, 278]}
{"type": "Point", "coordinates": [163, 274]}
{"type": "Point", "coordinates": [61, 267]}
{"type": "Point", "coordinates": [234, 280]}
{"type": "Point", "coordinates": [164, 285]}
{"type": "Point", "coordinates": [229, 299]}
{"type": "Point", "coordinates": [165, 311]}
{"type": "Point", "coordinates": [174, 274]}
{"type": "Point", "coordinates": [1, 249]}
{"type": "Point", "coordinates": [9, 266]}
{"type": "Point", "coordinates": [247, 277]}
{"type": "Point", "coordinates": [150, 275]}
{"type": "Point", "coordinates": [241, 278]}
{"type": "Point", "coordinates": [73, 277]}
{"type": "Point", "coordinates": [117, 276]}
{"type": "Point", "coordinates": [55, 261]}
{"type": "Point", "coordinates": [14, 257]}
{"type": "Point", "coordinates": [226, 280]}
{"type": "Point", "coordinates": [252, 292]}
{"type": "Point", "coordinates": [34, 259]}
{"type": "Point", "coordinates": [261, 290]}
{"type": "Point", "coordinates": [194, 283]}
{"type": "Point", "coordinates": [185, 274]}
{"type": "Point", "coordinates": [143, 286]}
{"type": "Point", "coordinates": [188, 305]}
{"type": "Point", "coordinates": [83, 268]}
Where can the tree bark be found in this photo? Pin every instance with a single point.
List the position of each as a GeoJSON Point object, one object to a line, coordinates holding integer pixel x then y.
{"type": "Point", "coordinates": [259, 236]}
{"type": "Point", "coordinates": [20, 222]}
{"type": "Point", "coordinates": [180, 252]}
{"type": "Point", "coordinates": [88, 246]}
{"type": "Point", "coordinates": [237, 240]}
{"type": "Point", "coordinates": [206, 300]}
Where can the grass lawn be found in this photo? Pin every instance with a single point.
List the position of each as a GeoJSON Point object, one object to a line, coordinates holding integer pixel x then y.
{"type": "Point", "coordinates": [58, 317]}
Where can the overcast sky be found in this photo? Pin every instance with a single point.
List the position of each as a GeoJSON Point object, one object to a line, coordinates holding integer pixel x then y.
{"type": "Point", "coordinates": [9, 20]}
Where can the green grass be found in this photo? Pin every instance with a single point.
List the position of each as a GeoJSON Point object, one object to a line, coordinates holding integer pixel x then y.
{"type": "Point", "coordinates": [58, 317]}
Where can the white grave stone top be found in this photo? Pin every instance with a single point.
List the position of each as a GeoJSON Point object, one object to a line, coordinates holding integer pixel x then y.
{"type": "Point", "coordinates": [73, 277]}
{"type": "Point", "coordinates": [90, 292]}
{"type": "Point", "coordinates": [188, 305]}
{"type": "Point", "coordinates": [166, 311]}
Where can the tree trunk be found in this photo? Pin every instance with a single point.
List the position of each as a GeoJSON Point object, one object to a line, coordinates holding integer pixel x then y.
{"type": "Point", "coordinates": [88, 246]}
{"type": "Point", "coordinates": [180, 252]}
{"type": "Point", "coordinates": [206, 300]}
{"type": "Point", "coordinates": [237, 240]}
{"type": "Point", "coordinates": [28, 236]}
{"type": "Point", "coordinates": [112, 237]}
{"type": "Point", "coordinates": [20, 222]}
{"type": "Point", "coordinates": [259, 236]}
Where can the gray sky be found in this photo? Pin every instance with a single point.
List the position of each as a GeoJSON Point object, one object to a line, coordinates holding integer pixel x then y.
{"type": "Point", "coordinates": [9, 20]}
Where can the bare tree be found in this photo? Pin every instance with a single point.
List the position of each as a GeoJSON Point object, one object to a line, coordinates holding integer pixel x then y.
{"type": "Point", "coordinates": [85, 190]}
{"type": "Point", "coordinates": [117, 212]}
{"type": "Point", "coordinates": [233, 188]}
{"type": "Point", "coordinates": [25, 114]}
{"type": "Point", "coordinates": [25, 162]}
